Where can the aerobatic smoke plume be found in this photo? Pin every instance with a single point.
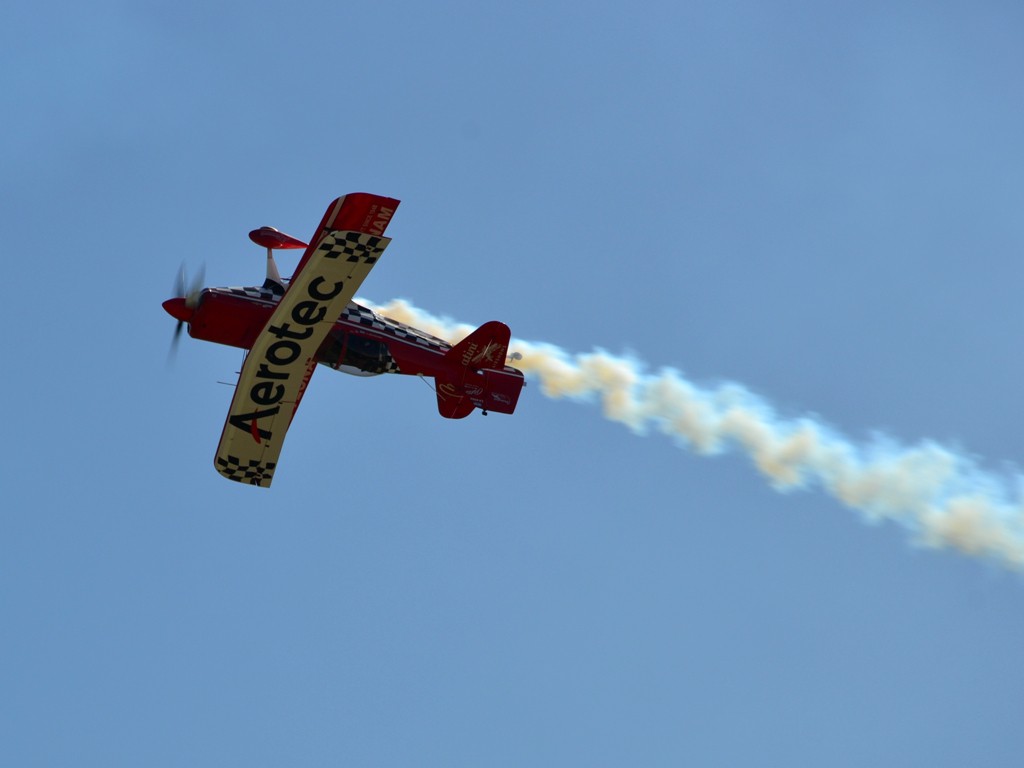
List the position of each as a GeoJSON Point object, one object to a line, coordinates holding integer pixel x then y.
{"type": "Point", "coordinates": [941, 496]}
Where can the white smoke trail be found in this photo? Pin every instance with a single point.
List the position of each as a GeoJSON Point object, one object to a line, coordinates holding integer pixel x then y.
{"type": "Point", "coordinates": [940, 495]}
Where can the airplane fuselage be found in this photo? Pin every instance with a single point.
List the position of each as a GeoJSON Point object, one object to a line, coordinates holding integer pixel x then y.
{"type": "Point", "coordinates": [361, 342]}
{"type": "Point", "coordinates": [290, 327]}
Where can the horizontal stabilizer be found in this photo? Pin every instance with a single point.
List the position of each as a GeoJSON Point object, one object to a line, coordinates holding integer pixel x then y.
{"type": "Point", "coordinates": [452, 402]}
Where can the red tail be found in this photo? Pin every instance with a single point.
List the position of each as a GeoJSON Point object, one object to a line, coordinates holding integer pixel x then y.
{"type": "Point", "coordinates": [477, 376]}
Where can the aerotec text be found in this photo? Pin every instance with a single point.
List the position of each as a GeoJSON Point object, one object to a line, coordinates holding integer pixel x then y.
{"type": "Point", "coordinates": [279, 360]}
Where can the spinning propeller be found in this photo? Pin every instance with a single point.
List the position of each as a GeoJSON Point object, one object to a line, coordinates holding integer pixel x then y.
{"type": "Point", "coordinates": [184, 303]}
{"type": "Point", "coordinates": [186, 299]}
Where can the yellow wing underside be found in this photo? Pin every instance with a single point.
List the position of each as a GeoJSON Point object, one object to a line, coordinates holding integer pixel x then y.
{"type": "Point", "coordinates": [281, 361]}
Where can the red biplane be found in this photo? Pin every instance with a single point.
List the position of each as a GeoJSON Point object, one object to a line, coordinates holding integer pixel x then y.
{"type": "Point", "coordinates": [289, 326]}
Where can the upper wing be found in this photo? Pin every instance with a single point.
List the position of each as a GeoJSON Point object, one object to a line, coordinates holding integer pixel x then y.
{"type": "Point", "coordinates": [357, 212]}
{"type": "Point", "coordinates": [281, 361]}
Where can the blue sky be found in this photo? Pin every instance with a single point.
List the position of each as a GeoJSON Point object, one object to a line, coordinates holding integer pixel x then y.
{"type": "Point", "coordinates": [822, 203]}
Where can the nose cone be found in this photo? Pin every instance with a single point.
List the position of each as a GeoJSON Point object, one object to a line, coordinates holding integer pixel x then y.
{"type": "Point", "coordinates": [177, 309]}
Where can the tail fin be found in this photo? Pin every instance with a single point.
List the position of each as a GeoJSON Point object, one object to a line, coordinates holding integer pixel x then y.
{"type": "Point", "coordinates": [485, 347]}
{"type": "Point", "coordinates": [476, 375]}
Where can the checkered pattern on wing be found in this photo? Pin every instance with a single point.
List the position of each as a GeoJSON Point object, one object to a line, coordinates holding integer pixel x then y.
{"type": "Point", "coordinates": [357, 313]}
{"type": "Point", "coordinates": [354, 247]}
{"type": "Point", "coordinates": [409, 333]}
{"type": "Point", "coordinates": [252, 471]}
{"type": "Point", "coordinates": [253, 292]}
{"type": "Point", "coordinates": [360, 315]}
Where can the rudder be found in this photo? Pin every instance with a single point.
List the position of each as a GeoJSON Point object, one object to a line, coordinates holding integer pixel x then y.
{"type": "Point", "coordinates": [476, 375]}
